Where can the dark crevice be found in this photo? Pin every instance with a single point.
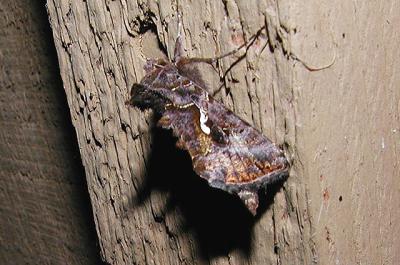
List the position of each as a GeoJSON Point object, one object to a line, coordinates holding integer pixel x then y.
{"type": "Point", "coordinates": [147, 24]}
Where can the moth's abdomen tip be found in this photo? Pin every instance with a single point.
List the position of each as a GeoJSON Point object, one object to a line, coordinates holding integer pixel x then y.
{"type": "Point", "coordinates": [250, 200]}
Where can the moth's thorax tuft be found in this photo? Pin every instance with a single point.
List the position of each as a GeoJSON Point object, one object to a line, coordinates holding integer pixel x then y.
{"type": "Point", "coordinates": [152, 64]}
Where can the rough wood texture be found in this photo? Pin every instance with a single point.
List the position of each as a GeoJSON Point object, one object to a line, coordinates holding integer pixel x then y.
{"type": "Point", "coordinates": [340, 127]}
{"type": "Point", "coordinates": [45, 215]}
{"type": "Point", "coordinates": [348, 119]}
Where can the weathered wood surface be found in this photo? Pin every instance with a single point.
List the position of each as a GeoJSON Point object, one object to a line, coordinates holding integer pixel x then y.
{"type": "Point", "coordinates": [45, 214]}
{"type": "Point", "coordinates": [339, 126]}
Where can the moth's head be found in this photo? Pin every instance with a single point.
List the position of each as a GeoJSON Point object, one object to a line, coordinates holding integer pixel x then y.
{"type": "Point", "coordinates": [146, 93]}
{"type": "Point", "coordinates": [144, 98]}
{"type": "Point", "coordinates": [154, 89]}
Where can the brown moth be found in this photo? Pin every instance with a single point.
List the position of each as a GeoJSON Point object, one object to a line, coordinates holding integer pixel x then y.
{"type": "Point", "coordinates": [225, 150]}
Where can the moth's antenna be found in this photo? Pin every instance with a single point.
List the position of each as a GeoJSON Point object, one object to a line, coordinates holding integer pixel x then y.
{"type": "Point", "coordinates": [178, 52]}
{"type": "Point", "coordinates": [179, 24]}
{"type": "Point", "coordinates": [212, 60]}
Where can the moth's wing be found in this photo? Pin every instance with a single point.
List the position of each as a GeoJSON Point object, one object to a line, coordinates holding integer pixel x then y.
{"type": "Point", "coordinates": [233, 156]}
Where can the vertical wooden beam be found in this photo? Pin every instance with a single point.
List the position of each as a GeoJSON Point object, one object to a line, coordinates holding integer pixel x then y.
{"type": "Point", "coordinates": [149, 207]}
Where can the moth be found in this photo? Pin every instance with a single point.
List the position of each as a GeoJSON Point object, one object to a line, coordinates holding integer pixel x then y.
{"type": "Point", "coordinates": [225, 150]}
